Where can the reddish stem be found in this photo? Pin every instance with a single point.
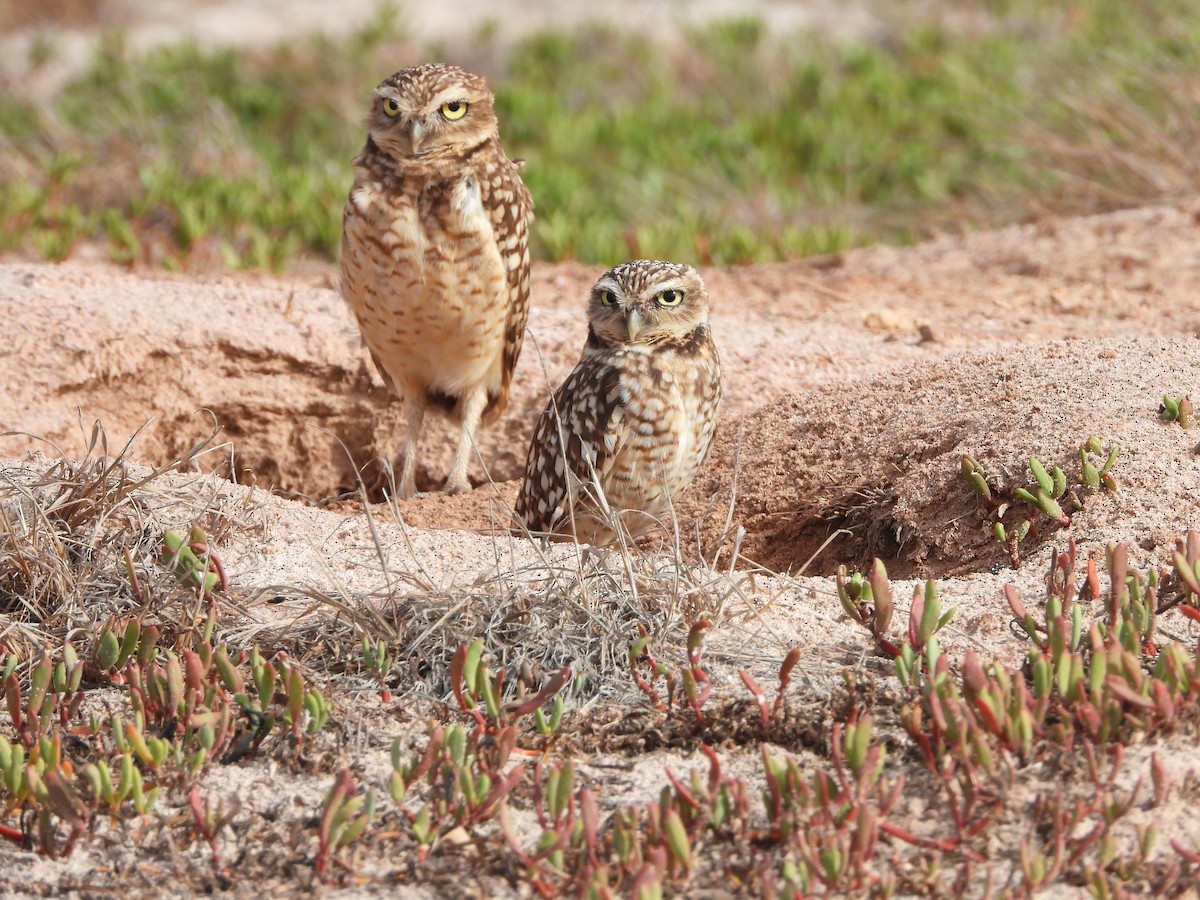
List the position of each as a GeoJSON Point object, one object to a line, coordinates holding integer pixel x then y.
{"type": "Point", "coordinates": [945, 846]}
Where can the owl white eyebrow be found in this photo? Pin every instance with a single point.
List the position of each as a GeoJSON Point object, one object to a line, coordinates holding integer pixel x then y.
{"type": "Point", "coordinates": [679, 284]}
{"type": "Point", "coordinates": [607, 284]}
{"type": "Point", "coordinates": [392, 94]}
{"type": "Point", "coordinates": [450, 95]}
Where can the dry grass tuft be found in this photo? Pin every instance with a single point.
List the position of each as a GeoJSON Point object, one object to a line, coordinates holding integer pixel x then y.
{"type": "Point", "coordinates": [1112, 151]}
{"type": "Point", "coordinates": [574, 606]}
{"type": "Point", "coordinates": [79, 542]}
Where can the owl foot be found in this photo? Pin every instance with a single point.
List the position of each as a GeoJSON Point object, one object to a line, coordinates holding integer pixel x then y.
{"type": "Point", "coordinates": [457, 487]}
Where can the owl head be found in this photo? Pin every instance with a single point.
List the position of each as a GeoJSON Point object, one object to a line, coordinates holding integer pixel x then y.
{"type": "Point", "coordinates": [647, 301]}
{"type": "Point", "coordinates": [431, 112]}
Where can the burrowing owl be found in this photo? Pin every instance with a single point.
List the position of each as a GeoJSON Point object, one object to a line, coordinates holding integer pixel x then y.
{"type": "Point", "coordinates": [435, 253]}
{"type": "Point", "coordinates": [629, 428]}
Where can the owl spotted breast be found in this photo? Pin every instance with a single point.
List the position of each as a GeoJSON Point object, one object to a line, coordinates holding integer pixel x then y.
{"type": "Point", "coordinates": [629, 428]}
{"type": "Point", "coordinates": [435, 253]}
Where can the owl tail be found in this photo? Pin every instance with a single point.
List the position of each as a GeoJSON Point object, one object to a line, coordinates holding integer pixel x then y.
{"type": "Point", "coordinates": [496, 405]}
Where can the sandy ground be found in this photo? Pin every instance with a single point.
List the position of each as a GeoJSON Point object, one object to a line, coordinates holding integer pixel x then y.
{"type": "Point", "coordinates": [854, 386]}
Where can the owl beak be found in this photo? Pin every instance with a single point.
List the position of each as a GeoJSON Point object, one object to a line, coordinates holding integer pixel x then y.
{"type": "Point", "coordinates": [416, 133]}
{"type": "Point", "coordinates": [634, 323]}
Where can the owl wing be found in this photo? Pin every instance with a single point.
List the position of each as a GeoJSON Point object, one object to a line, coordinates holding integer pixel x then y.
{"type": "Point", "coordinates": [510, 209]}
{"type": "Point", "coordinates": [575, 443]}
{"type": "Point", "coordinates": [361, 227]}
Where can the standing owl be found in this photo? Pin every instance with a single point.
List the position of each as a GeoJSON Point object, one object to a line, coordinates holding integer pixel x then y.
{"type": "Point", "coordinates": [435, 253]}
{"type": "Point", "coordinates": [631, 425]}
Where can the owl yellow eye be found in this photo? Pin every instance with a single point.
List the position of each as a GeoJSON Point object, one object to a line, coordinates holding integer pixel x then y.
{"type": "Point", "coordinates": [391, 107]}
{"type": "Point", "coordinates": [670, 298]}
{"type": "Point", "coordinates": [455, 109]}
{"type": "Point", "coordinates": [607, 298]}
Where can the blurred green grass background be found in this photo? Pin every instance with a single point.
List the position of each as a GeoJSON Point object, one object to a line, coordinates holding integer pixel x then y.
{"type": "Point", "coordinates": [725, 144]}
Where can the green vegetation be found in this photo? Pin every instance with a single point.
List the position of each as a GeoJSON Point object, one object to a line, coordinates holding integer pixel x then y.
{"type": "Point", "coordinates": [743, 146]}
{"type": "Point", "coordinates": [1016, 513]}
{"type": "Point", "coordinates": [926, 769]}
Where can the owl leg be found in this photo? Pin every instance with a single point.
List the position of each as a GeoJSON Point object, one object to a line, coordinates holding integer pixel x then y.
{"type": "Point", "coordinates": [415, 409]}
{"type": "Point", "coordinates": [472, 412]}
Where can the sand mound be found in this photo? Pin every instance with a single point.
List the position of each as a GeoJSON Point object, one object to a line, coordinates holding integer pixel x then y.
{"type": "Point", "coordinates": [880, 457]}
{"type": "Point", "coordinates": [854, 382]}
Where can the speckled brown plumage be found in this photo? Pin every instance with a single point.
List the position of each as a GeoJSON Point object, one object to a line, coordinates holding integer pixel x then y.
{"type": "Point", "coordinates": [629, 428]}
{"type": "Point", "coordinates": [435, 253]}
